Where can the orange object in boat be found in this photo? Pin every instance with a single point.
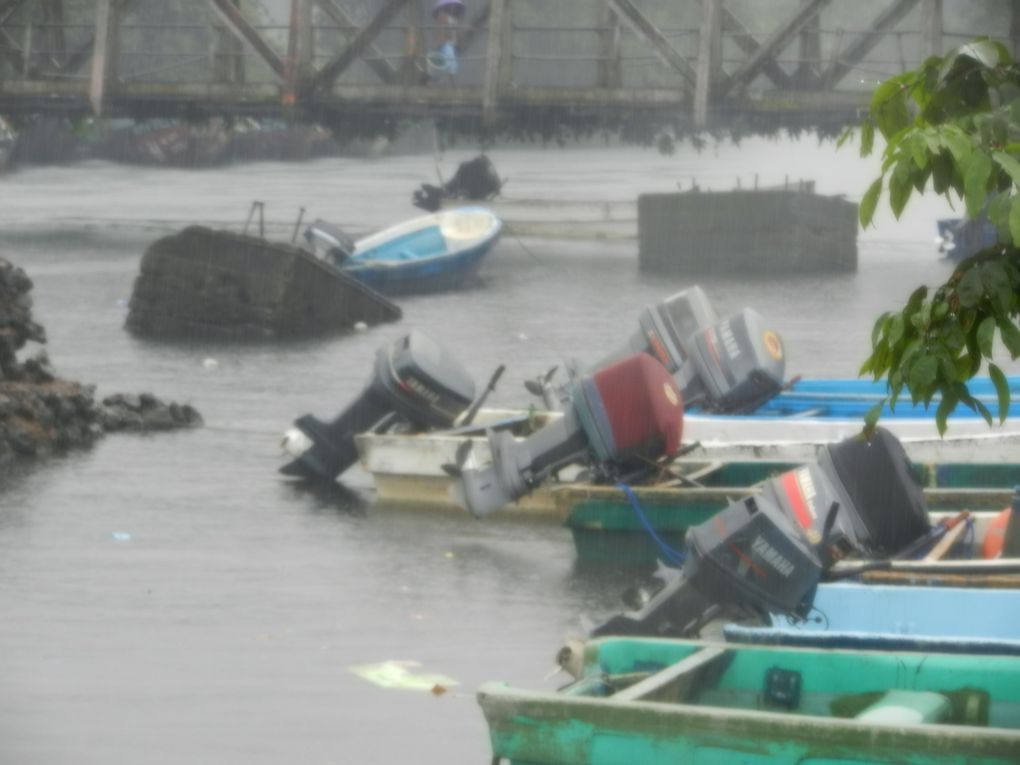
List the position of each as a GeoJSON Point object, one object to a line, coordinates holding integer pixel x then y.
{"type": "Point", "coordinates": [995, 535]}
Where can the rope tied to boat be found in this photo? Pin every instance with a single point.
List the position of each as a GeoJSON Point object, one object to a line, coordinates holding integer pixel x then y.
{"type": "Point", "coordinates": [669, 553]}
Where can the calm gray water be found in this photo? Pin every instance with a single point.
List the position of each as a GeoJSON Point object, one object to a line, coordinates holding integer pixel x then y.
{"type": "Point", "coordinates": [170, 599]}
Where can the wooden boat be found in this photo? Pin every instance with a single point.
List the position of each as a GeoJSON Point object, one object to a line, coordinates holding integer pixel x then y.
{"type": "Point", "coordinates": [790, 429]}
{"type": "Point", "coordinates": [649, 701]}
{"type": "Point", "coordinates": [631, 525]}
{"type": "Point", "coordinates": [907, 618]}
{"type": "Point", "coordinates": [432, 252]}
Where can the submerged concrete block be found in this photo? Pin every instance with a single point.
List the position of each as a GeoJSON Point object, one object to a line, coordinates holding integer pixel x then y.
{"type": "Point", "coordinates": [768, 231]}
{"type": "Point", "coordinates": [206, 283]}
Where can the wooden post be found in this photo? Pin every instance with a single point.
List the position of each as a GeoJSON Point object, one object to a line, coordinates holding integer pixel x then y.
{"type": "Point", "coordinates": [709, 59]}
{"type": "Point", "coordinates": [104, 53]}
{"type": "Point", "coordinates": [496, 60]}
{"type": "Point", "coordinates": [931, 28]}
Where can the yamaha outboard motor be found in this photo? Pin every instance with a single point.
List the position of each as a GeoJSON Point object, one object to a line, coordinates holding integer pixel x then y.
{"type": "Point", "coordinates": [662, 332]}
{"type": "Point", "coordinates": [415, 381]}
{"type": "Point", "coordinates": [622, 418]}
{"type": "Point", "coordinates": [767, 553]}
{"type": "Point", "coordinates": [730, 366]}
{"type": "Point", "coordinates": [734, 366]}
{"type": "Point", "coordinates": [329, 242]}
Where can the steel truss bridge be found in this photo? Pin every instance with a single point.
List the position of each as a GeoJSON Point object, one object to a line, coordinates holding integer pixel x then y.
{"type": "Point", "coordinates": [692, 62]}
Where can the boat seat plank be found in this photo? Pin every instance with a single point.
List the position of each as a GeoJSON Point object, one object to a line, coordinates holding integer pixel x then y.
{"type": "Point", "coordinates": [677, 681]}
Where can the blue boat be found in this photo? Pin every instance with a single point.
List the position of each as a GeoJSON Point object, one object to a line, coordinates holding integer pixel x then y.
{"type": "Point", "coordinates": [439, 251]}
{"type": "Point", "coordinates": [899, 618]}
{"type": "Point", "coordinates": [852, 398]}
{"type": "Point", "coordinates": [960, 238]}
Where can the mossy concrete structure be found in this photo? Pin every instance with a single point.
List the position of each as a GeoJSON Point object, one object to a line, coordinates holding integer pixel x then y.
{"type": "Point", "coordinates": [767, 231]}
{"type": "Point", "coordinates": [202, 282]}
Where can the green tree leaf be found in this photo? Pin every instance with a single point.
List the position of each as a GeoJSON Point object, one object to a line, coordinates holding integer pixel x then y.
{"type": "Point", "coordinates": [871, 418]}
{"type": "Point", "coordinates": [869, 202]}
{"type": "Point", "coordinates": [976, 173]}
{"type": "Point", "coordinates": [945, 408]}
{"type": "Point", "coordinates": [985, 335]}
{"type": "Point", "coordinates": [923, 372]}
{"type": "Point", "coordinates": [1002, 389]}
{"type": "Point", "coordinates": [1014, 220]}
{"type": "Point", "coordinates": [1010, 337]}
{"type": "Point", "coordinates": [1008, 164]}
{"type": "Point", "coordinates": [971, 289]}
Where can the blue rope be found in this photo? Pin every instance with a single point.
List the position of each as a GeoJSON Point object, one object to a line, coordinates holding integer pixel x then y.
{"type": "Point", "coordinates": [670, 554]}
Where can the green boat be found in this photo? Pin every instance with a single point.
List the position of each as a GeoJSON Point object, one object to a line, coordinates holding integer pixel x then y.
{"type": "Point", "coordinates": [648, 701]}
{"type": "Point", "coordinates": [610, 526]}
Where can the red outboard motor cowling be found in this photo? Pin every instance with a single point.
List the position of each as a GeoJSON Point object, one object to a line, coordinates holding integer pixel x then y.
{"type": "Point", "coordinates": [622, 418]}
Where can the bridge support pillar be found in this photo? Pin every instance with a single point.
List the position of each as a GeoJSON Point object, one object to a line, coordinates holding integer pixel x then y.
{"type": "Point", "coordinates": [498, 61]}
{"type": "Point", "coordinates": [104, 53]}
{"type": "Point", "coordinates": [610, 69]}
{"type": "Point", "coordinates": [709, 59]}
{"type": "Point", "coordinates": [298, 66]}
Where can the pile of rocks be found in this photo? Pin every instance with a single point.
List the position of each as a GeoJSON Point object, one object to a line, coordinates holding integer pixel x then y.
{"type": "Point", "coordinates": [39, 412]}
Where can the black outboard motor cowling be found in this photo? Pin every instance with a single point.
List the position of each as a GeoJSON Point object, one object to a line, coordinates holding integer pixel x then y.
{"type": "Point", "coordinates": [622, 418]}
{"type": "Point", "coordinates": [767, 553]}
{"type": "Point", "coordinates": [415, 381]}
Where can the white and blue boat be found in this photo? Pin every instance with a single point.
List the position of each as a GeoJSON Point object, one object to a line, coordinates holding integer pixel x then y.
{"type": "Point", "coordinates": [898, 618]}
{"type": "Point", "coordinates": [960, 238]}
{"type": "Point", "coordinates": [433, 252]}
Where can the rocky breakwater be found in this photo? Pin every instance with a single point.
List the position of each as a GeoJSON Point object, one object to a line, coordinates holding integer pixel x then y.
{"type": "Point", "coordinates": [41, 413]}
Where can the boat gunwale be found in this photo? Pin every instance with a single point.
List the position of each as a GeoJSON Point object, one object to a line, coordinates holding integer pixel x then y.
{"type": "Point", "coordinates": [501, 705]}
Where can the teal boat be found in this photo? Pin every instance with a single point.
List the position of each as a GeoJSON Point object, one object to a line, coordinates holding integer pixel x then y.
{"type": "Point", "coordinates": [653, 702]}
{"type": "Point", "coordinates": [902, 618]}
{"type": "Point", "coordinates": [632, 525]}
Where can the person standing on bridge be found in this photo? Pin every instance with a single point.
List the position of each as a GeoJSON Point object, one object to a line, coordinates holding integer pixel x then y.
{"type": "Point", "coordinates": [447, 15]}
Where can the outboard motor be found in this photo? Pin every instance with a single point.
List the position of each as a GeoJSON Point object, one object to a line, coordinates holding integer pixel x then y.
{"type": "Point", "coordinates": [415, 381]}
{"type": "Point", "coordinates": [622, 418]}
{"type": "Point", "coordinates": [729, 366]}
{"type": "Point", "coordinates": [767, 553]}
{"type": "Point", "coordinates": [735, 366]}
{"type": "Point", "coordinates": [329, 242]}
{"type": "Point", "coordinates": [662, 332]}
